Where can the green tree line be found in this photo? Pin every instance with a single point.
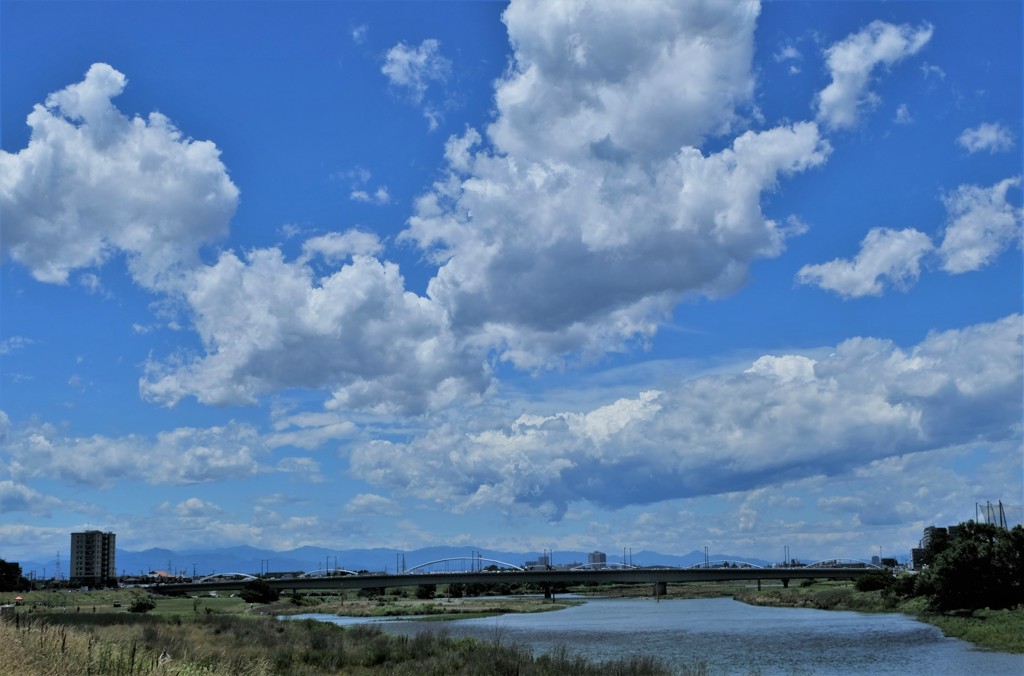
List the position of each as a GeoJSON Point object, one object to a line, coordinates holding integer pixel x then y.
{"type": "Point", "coordinates": [982, 567]}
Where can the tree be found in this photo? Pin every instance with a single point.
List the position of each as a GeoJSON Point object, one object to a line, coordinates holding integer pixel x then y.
{"type": "Point", "coordinates": [258, 591]}
{"type": "Point", "coordinates": [11, 578]}
{"type": "Point", "coordinates": [426, 591]}
{"type": "Point", "coordinates": [982, 568]}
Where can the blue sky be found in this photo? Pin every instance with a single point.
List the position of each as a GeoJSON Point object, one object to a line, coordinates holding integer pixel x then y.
{"type": "Point", "coordinates": [540, 275]}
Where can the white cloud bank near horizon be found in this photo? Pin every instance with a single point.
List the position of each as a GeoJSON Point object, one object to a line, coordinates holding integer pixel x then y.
{"type": "Point", "coordinates": [784, 419]}
{"type": "Point", "coordinates": [787, 417]}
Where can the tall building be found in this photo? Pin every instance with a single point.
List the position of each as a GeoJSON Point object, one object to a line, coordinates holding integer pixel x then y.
{"type": "Point", "coordinates": [597, 559]}
{"type": "Point", "coordinates": [92, 558]}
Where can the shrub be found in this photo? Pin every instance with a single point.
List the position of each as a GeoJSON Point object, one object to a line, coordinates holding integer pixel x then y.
{"type": "Point", "coordinates": [141, 605]}
{"type": "Point", "coordinates": [876, 581]}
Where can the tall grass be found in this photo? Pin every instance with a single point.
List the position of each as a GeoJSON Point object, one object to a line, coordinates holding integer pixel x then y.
{"type": "Point", "coordinates": [71, 644]}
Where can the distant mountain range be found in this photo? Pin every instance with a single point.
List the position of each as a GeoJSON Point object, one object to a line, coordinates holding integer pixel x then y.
{"type": "Point", "coordinates": [246, 559]}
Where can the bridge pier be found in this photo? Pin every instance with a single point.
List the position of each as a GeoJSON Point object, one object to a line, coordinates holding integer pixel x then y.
{"type": "Point", "coordinates": [660, 589]}
{"type": "Point", "coordinates": [785, 583]}
{"type": "Point", "coordinates": [548, 594]}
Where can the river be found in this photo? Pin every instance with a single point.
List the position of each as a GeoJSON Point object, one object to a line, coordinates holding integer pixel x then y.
{"type": "Point", "coordinates": [731, 637]}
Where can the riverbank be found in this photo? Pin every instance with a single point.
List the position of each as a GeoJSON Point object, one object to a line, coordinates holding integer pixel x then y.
{"type": "Point", "coordinates": [1000, 630]}
{"type": "Point", "coordinates": [437, 609]}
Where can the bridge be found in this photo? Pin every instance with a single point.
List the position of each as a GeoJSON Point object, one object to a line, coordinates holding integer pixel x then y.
{"type": "Point", "coordinates": [545, 579]}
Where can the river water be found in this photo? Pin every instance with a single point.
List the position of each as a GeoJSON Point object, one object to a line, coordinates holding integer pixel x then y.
{"type": "Point", "coordinates": [730, 637]}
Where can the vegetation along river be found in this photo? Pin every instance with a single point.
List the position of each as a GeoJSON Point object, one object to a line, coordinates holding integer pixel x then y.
{"type": "Point", "coordinates": [730, 637]}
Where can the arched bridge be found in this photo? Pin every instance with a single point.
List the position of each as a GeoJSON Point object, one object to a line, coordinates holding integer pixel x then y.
{"type": "Point", "coordinates": [608, 565]}
{"type": "Point", "coordinates": [476, 565]}
{"type": "Point", "coordinates": [725, 563]}
{"type": "Point", "coordinates": [541, 578]}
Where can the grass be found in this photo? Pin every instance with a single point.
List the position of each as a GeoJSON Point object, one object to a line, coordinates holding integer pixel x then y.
{"type": "Point", "coordinates": [1001, 630]}
{"type": "Point", "coordinates": [59, 644]}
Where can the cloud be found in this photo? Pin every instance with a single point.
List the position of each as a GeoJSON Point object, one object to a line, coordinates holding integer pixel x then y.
{"type": "Point", "coordinates": [194, 508]}
{"type": "Point", "coordinates": [576, 81]}
{"type": "Point", "coordinates": [851, 63]}
{"type": "Point", "coordinates": [335, 246]}
{"type": "Point", "coordinates": [788, 53]}
{"type": "Point", "coordinates": [903, 115]}
{"type": "Point", "coordinates": [574, 230]}
{"type": "Point", "coordinates": [126, 185]}
{"type": "Point", "coordinates": [982, 224]}
{"type": "Point", "coordinates": [17, 497]}
{"type": "Point", "coordinates": [411, 70]}
{"type": "Point", "coordinates": [178, 457]}
{"type": "Point", "coordinates": [369, 504]}
{"type": "Point", "coordinates": [780, 421]}
{"type": "Point", "coordinates": [588, 210]}
{"type": "Point", "coordinates": [929, 69]}
{"type": "Point", "coordinates": [357, 179]}
{"type": "Point", "coordinates": [990, 136]}
{"type": "Point", "coordinates": [310, 430]}
{"type": "Point", "coordinates": [308, 467]}
{"type": "Point", "coordinates": [268, 324]}
{"type": "Point", "coordinates": [13, 344]}
{"type": "Point", "coordinates": [380, 196]}
{"type": "Point", "coordinates": [893, 255]}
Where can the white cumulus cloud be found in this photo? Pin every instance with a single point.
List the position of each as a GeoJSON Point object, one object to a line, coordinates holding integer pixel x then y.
{"type": "Point", "coordinates": [893, 255]}
{"type": "Point", "coordinates": [129, 185]}
{"type": "Point", "coordinates": [268, 324]}
{"type": "Point", "coordinates": [990, 136]}
{"type": "Point", "coordinates": [588, 210]}
{"type": "Point", "coordinates": [852, 61]}
{"type": "Point", "coordinates": [982, 224]}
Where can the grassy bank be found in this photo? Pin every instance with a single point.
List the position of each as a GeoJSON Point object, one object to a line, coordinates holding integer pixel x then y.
{"type": "Point", "coordinates": [73, 633]}
{"type": "Point", "coordinates": [435, 609]}
{"type": "Point", "coordinates": [1001, 630]}
{"type": "Point", "coordinates": [58, 644]}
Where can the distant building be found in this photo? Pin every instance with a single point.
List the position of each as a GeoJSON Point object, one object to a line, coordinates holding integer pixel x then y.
{"type": "Point", "coordinates": [92, 558]}
{"type": "Point", "coordinates": [930, 533]}
{"type": "Point", "coordinates": [543, 562]}
{"type": "Point", "coordinates": [597, 559]}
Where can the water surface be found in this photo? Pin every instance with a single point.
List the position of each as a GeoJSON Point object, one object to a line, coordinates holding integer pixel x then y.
{"type": "Point", "coordinates": [731, 637]}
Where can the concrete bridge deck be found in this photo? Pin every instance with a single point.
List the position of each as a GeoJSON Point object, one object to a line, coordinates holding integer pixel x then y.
{"type": "Point", "coordinates": [541, 578]}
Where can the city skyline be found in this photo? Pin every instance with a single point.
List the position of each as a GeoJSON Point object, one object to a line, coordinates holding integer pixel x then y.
{"type": "Point", "coordinates": [520, 277]}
